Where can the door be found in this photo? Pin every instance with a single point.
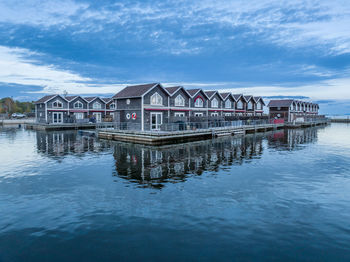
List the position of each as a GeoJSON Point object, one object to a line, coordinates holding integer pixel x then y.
{"type": "Point", "coordinates": [156, 121]}
{"type": "Point", "coordinates": [98, 117]}
{"type": "Point", "coordinates": [57, 118]}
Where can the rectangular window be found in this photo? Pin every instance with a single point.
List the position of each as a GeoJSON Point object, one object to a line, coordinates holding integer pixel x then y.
{"type": "Point", "coordinates": [198, 114]}
{"type": "Point", "coordinates": [79, 115]}
{"type": "Point", "coordinates": [179, 114]}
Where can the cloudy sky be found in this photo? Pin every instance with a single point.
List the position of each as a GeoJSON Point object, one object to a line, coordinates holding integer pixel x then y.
{"type": "Point", "coordinates": [269, 48]}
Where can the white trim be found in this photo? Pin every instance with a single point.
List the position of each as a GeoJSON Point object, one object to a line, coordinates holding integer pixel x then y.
{"type": "Point", "coordinates": [183, 100]}
{"type": "Point", "coordinates": [157, 96]}
{"type": "Point", "coordinates": [76, 102]}
{"type": "Point", "coordinates": [142, 114]}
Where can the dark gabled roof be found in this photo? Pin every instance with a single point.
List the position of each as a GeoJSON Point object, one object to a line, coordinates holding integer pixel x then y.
{"type": "Point", "coordinates": [45, 99]}
{"type": "Point", "coordinates": [172, 89]}
{"type": "Point", "coordinates": [225, 95]}
{"type": "Point", "coordinates": [247, 98]}
{"type": "Point", "coordinates": [280, 103]}
{"type": "Point", "coordinates": [70, 98]}
{"type": "Point", "coordinates": [192, 92]}
{"type": "Point", "coordinates": [209, 93]}
{"type": "Point", "coordinates": [258, 98]}
{"type": "Point", "coordinates": [237, 96]}
{"type": "Point", "coordinates": [106, 99]}
{"type": "Point", "coordinates": [134, 91]}
{"type": "Point", "coordinates": [89, 99]}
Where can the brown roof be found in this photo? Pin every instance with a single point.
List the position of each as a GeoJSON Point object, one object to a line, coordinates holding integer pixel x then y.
{"type": "Point", "coordinates": [70, 98]}
{"type": "Point", "coordinates": [210, 93]}
{"type": "Point", "coordinates": [247, 98]}
{"type": "Point", "coordinates": [172, 89]}
{"type": "Point", "coordinates": [106, 99]}
{"type": "Point", "coordinates": [280, 103]}
{"type": "Point", "coordinates": [89, 99]}
{"type": "Point", "coordinates": [44, 99]}
{"type": "Point", "coordinates": [257, 98]}
{"type": "Point", "coordinates": [237, 96]}
{"type": "Point", "coordinates": [134, 91]}
{"type": "Point", "coordinates": [192, 92]}
{"type": "Point", "coordinates": [225, 95]}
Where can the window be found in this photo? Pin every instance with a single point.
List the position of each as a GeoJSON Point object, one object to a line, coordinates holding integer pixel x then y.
{"type": "Point", "coordinates": [214, 114]}
{"type": "Point", "coordinates": [250, 105]}
{"type": "Point", "coordinates": [156, 99]}
{"type": "Point", "coordinates": [57, 104]}
{"type": "Point", "coordinates": [198, 102]}
{"type": "Point", "coordinates": [79, 115]}
{"type": "Point", "coordinates": [227, 114]}
{"type": "Point", "coordinates": [179, 101]}
{"type": "Point", "coordinates": [78, 104]}
{"type": "Point", "coordinates": [112, 106]}
{"type": "Point", "coordinates": [228, 103]}
{"type": "Point", "coordinates": [41, 114]}
{"type": "Point", "coordinates": [261, 106]}
{"type": "Point", "coordinates": [240, 104]}
{"type": "Point", "coordinates": [215, 103]}
{"type": "Point", "coordinates": [179, 114]}
{"type": "Point", "coordinates": [96, 105]}
{"type": "Point", "coordinates": [198, 114]}
{"type": "Point", "coordinates": [128, 101]}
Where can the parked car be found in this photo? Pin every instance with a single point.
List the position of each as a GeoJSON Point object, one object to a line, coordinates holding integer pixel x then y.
{"type": "Point", "coordinates": [18, 115]}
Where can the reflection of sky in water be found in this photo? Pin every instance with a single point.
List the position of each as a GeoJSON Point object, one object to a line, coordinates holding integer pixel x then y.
{"type": "Point", "coordinates": [280, 191]}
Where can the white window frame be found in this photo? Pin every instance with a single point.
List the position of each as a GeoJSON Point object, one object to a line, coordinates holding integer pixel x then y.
{"type": "Point", "coordinates": [94, 105]}
{"type": "Point", "coordinates": [214, 103]}
{"type": "Point", "coordinates": [112, 106]}
{"type": "Point", "coordinates": [198, 104]}
{"type": "Point", "coordinates": [261, 105]}
{"type": "Point", "coordinates": [78, 102]}
{"type": "Point", "coordinates": [227, 114]}
{"type": "Point", "coordinates": [179, 114]}
{"type": "Point", "coordinates": [198, 114]}
{"type": "Point", "coordinates": [158, 99]}
{"type": "Point", "coordinates": [228, 103]}
{"type": "Point", "coordinates": [58, 102]}
{"type": "Point", "coordinates": [240, 104]}
{"type": "Point", "coordinates": [250, 105]}
{"type": "Point", "coordinates": [179, 101]}
{"type": "Point", "coordinates": [79, 115]}
{"type": "Point", "coordinates": [214, 114]}
{"type": "Point", "coordinates": [156, 126]}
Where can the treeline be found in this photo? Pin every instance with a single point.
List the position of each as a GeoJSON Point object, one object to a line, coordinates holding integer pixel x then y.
{"type": "Point", "coordinates": [10, 106]}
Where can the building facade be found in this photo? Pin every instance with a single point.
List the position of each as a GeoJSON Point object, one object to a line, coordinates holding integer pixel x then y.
{"type": "Point", "coordinates": [149, 107]}
{"type": "Point", "coordinates": [292, 110]}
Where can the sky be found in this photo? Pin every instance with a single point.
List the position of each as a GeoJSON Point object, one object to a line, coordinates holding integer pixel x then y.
{"type": "Point", "coordinates": [275, 48]}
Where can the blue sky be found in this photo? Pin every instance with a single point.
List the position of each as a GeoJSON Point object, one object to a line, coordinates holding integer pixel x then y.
{"type": "Point", "coordinates": [268, 48]}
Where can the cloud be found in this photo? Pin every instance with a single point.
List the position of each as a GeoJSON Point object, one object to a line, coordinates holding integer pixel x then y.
{"type": "Point", "coordinates": [17, 67]}
{"type": "Point", "coordinates": [320, 24]}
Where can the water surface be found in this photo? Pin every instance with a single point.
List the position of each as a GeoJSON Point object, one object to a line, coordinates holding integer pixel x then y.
{"type": "Point", "coordinates": [280, 196]}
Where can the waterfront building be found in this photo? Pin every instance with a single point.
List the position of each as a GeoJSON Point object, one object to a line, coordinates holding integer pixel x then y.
{"type": "Point", "coordinates": [57, 109]}
{"type": "Point", "coordinates": [292, 110]}
{"type": "Point", "coordinates": [149, 106]}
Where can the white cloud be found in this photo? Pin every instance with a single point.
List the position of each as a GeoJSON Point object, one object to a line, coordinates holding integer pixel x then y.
{"type": "Point", "coordinates": [16, 67]}
{"type": "Point", "coordinates": [322, 24]}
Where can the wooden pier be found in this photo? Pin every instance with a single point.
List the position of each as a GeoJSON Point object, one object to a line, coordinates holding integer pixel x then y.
{"type": "Point", "coordinates": [56, 127]}
{"type": "Point", "coordinates": [165, 137]}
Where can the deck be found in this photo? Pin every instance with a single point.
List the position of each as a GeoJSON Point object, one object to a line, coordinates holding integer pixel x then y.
{"type": "Point", "coordinates": [65, 126]}
{"type": "Point", "coordinates": [165, 137]}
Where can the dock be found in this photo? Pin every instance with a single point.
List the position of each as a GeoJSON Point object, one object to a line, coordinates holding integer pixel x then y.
{"type": "Point", "coordinates": [165, 137]}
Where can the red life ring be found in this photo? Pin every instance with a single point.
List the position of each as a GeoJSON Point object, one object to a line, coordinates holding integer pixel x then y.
{"type": "Point", "coordinates": [133, 116]}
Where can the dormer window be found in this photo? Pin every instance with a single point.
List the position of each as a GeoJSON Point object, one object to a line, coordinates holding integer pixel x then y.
{"type": "Point", "coordinates": [228, 103]}
{"type": "Point", "coordinates": [78, 104]}
{"type": "Point", "coordinates": [112, 106]}
{"type": "Point", "coordinates": [261, 105]}
{"type": "Point", "coordinates": [198, 102]}
{"type": "Point", "coordinates": [215, 103]}
{"type": "Point", "coordinates": [96, 105]}
{"type": "Point", "coordinates": [250, 105]}
{"type": "Point", "coordinates": [240, 104]}
{"type": "Point", "coordinates": [57, 104]}
{"type": "Point", "coordinates": [156, 99]}
{"type": "Point", "coordinates": [179, 101]}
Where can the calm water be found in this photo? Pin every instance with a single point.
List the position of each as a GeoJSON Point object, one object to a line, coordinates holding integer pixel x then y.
{"type": "Point", "coordinates": [282, 196]}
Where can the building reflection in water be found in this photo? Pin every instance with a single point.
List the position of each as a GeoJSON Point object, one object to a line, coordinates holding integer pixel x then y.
{"type": "Point", "coordinates": [63, 143]}
{"type": "Point", "coordinates": [153, 166]}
